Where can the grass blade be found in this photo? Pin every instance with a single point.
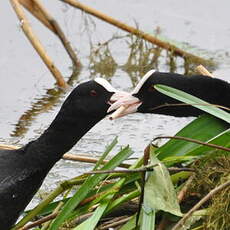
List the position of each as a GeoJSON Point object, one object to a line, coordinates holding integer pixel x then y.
{"type": "Point", "coordinates": [88, 185]}
{"type": "Point", "coordinates": [194, 101]}
{"type": "Point", "coordinates": [107, 151]}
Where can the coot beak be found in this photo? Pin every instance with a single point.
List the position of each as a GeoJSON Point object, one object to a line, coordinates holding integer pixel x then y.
{"type": "Point", "coordinates": [128, 103]}
{"type": "Point", "coordinates": [119, 100]}
{"type": "Point", "coordinates": [123, 104]}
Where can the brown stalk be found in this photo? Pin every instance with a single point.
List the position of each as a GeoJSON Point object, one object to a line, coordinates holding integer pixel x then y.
{"type": "Point", "coordinates": [117, 223]}
{"type": "Point", "coordinates": [25, 25]}
{"type": "Point", "coordinates": [185, 104]}
{"type": "Point", "coordinates": [58, 31]}
{"type": "Point", "coordinates": [135, 31]}
{"type": "Point", "coordinates": [194, 141]}
{"type": "Point", "coordinates": [32, 7]}
{"type": "Point", "coordinates": [69, 156]}
{"type": "Point", "coordinates": [36, 8]}
{"type": "Point", "coordinates": [147, 168]}
{"type": "Point", "coordinates": [39, 222]}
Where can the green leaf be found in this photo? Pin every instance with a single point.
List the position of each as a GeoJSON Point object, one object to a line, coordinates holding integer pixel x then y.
{"type": "Point", "coordinates": [194, 101]}
{"type": "Point", "coordinates": [148, 218]}
{"type": "Point", "coordinates": [88, 185]}
{"type": "Point", "coordinates": [159, 190]}
{"type": "Point", "coordinates": [223, 139]}
{"type": "Point", "coordinates": [91, 223]}
{"type": "Point", "coordinates": [104, 155]}
{"type": "Point", "coordinates": [204, 128]}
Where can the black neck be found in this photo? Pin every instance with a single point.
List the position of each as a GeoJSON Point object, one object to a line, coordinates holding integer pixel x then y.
{"type": "Point", "coordinates": [212, 90]}
{"type": "Point", "coordinates": [63, 133]}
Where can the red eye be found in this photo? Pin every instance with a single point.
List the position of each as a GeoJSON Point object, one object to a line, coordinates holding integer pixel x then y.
{"type": "Point", "coordinates": [151, 88]}
{"type": "Point", "coordinates": [93, 93]}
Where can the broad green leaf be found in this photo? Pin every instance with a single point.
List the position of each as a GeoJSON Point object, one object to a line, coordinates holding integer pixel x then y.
{"type": "Point", "coordinates": [88, 185]}
{"type": "Point", "coordinates": [194, 101]}
{"type": "Point", "coordinates": [159, 190]}
{"type": "Point", "coordinates": [204, 128]}
{"type": "Point", "coordinates": [223, 139]}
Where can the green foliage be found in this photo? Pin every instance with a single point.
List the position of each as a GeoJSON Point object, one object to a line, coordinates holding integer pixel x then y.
{"type": "Point", "coordinates": [98, 199]}
{"type": "Point", "coordinates": [194, 101]}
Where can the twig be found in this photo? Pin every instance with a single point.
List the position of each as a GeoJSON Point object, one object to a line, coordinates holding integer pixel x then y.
{"type": "Point", "coordinates": [184, 190]}
{"type": "Point", "coordinates": [144, 169]}
{"type": "Point", "coordinates": [194, 141]}
{"type": "Point", "coordinates": [201, 202]}
{"type": "Point", "coordinates": [185, 104]}
{"type": "Point", "coordinates": [37, 44]}
{"type": "Point", "coordinates": [55, 211]}
{"type": "Point", "coordinates": [69, 156]}
{"type": "Point", "coordinates": [59, 33]}
{"type": "Point", "coordinates": [34, 10]}
{"type": "Point", "coordinates": [147, 168]}
{"type": "Point", "coordinates": [39, 222]}
{"type": "Point", "coordinates": [135, 31]}
{"type": "Point", "coordinates": [117, 223]}
{"type": "Point", "coordinates": [74, 157]}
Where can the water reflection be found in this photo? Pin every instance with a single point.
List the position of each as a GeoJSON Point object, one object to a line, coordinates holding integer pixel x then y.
{"type": "Point", "coordinates": [41, 105]}
{"type": "Point", "coordinates": [142, 56]}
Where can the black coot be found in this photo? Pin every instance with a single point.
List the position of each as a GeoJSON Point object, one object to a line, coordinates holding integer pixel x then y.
{"type": "Point", "coordinates": [22, 171]}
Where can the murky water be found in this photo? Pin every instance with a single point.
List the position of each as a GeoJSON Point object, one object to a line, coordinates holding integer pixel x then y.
{"type": "Point", "coordinates": [27, 87]}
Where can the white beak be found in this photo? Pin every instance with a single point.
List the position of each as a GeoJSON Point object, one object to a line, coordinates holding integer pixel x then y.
{"type": "Point", "coordinates": [127, 103]}
{"type": "Point", "coordinates": [124, 104]}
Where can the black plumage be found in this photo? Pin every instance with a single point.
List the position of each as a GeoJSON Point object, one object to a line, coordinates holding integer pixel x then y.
{"type": "Point", "coordinates": [22, 171]}
{"type": "Point", "coordinates": [212, 90]}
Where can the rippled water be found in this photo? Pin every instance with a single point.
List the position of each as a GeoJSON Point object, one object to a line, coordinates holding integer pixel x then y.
{"type": "Point", "coordinates": [25, 80]}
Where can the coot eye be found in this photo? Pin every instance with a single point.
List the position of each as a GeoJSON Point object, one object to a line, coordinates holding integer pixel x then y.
{"type": "Point", "coordinates": [93, 93]}
{"type": "Point", "coordinates": [151, 88]}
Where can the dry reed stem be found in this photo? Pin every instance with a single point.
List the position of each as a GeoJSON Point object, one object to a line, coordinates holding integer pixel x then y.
{"type": "Point", "coordinates": [36, 8]}
{"type": "Point", "coordinates": [181, 195]}
{"type": "Point", "coordinates": [194, 141]}
{"type": "Point", "coordinates": [58, 31]}
{"type": "Point", "coordinates": [115, 224]}
{"type": "Point", "coordinates": [138, 170]}
{"type": "Point", "coordinates": [37, 44]}
{"type": "Point", "coordinates": [40, 221]}
{"type": "Point", "coordinates": [32, 7]}
{"type": "Point", "coordinates": [135, 31]}
{"type": "Point", "coordinates": [69, 156]}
